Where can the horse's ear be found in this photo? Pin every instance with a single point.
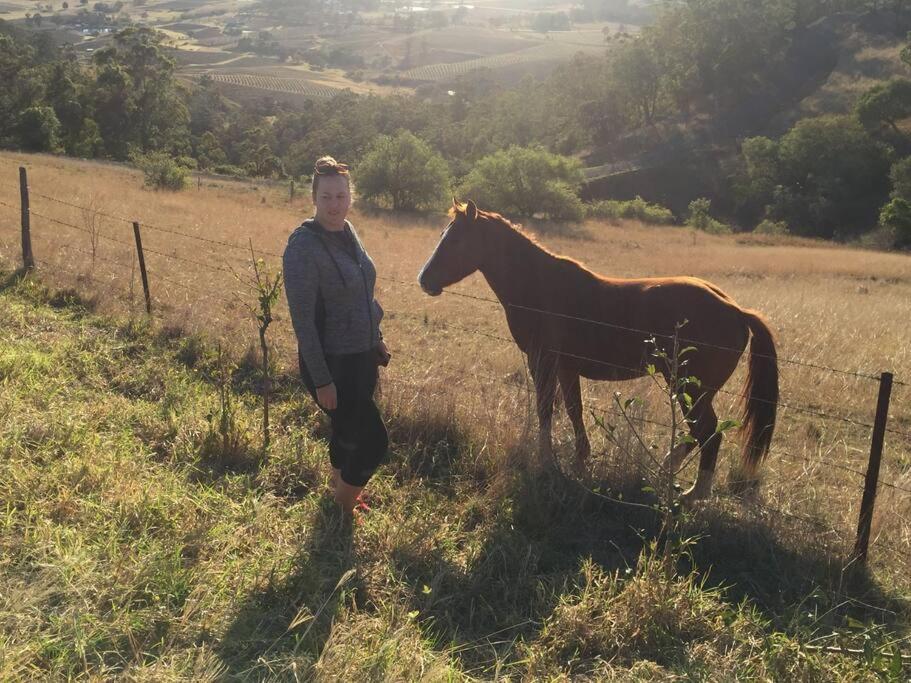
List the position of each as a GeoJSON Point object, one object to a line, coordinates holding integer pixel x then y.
{"type": "Point", "coordinates": [471, 210]}
{"type": "Point", "coordinates": [456, 204]}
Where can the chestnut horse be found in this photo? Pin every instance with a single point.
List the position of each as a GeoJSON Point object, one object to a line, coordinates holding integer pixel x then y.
{"type": "Point", "coordinates": [572, 322]}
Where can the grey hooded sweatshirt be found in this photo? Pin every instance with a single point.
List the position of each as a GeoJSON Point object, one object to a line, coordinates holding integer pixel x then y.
{"type": "Point", "coordinates": [330, 297]}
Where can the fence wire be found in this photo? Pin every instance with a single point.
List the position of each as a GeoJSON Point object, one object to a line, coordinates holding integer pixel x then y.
{"type": "Point", "coordinates": [215, 268]}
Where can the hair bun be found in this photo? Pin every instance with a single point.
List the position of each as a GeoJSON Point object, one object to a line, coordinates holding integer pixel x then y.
{"type": "Point", "coordinates": [329, 166]}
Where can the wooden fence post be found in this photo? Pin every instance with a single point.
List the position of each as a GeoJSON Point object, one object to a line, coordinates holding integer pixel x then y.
{"type": "Point", "coordinates": [28, 258]}
{"type": "Point", "coordinates": [142, 267]}
{"type": "Point", "coordinates": [871, 481]}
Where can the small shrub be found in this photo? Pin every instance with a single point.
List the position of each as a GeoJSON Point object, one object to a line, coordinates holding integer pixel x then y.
{"type": "Point", "coordinates": [229, 169]}
{"type": "Point", "coordinates": [700, 218]}
{"type": "Point", "coordinates": [632, 209]}
{"type": "Point", "coordinates": [161, 171]}
{"type": "Point", "coordinates": [770, 227]}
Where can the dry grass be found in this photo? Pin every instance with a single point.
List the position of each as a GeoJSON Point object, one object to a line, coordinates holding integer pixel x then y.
{"type": "Point", "coordinates": [832, 306]}
{"type": "Point", "coordinates": [459, 399]}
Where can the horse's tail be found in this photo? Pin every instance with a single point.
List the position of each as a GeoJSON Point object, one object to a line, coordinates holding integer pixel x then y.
{"type": "Point", "coordinates": [761, 395]}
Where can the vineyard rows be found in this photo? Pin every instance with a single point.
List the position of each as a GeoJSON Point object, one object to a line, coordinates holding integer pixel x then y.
{"type": "Point", "coordinates": [297, 86]}
{"type": "Point", "coordinates": [438, 72]}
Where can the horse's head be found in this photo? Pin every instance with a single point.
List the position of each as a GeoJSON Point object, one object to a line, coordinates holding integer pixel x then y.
{"type": "Point", "coordinates": [459, 252]}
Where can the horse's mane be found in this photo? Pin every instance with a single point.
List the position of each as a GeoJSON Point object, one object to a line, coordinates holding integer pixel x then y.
{"type": "Point", "coordinates": [520, 232]}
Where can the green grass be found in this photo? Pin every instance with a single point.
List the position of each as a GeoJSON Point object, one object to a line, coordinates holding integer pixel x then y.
{"type": "Point", "coordinates": [134, 545]}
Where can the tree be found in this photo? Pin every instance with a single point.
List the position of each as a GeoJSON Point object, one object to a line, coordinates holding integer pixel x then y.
{"type": "Point", "coordinates": [89, 143]}
{"type": "Point", "coordinates": [900, 175]}
{"type": "Point", "coordinates": [885, 105]}
{"type": "Point", "coordinates": [526, 181]}
{"type": "Point", "coordinates": [896, 217]}
{"type": "Point", "coordinates": [65, 90]}
{"type": "Point", "coordinates": [760, 174]}
{"type": "Point", "coordinates": [208, 152]}
{"type": "Point", "coordinates": [404, 172]}
{"type": "Point", "coordinates": [832, 176]}
{"type": "Point", "coordinates": [636, 66]}
{"type": "Point", "coordinates": [139, 94]}
{"type": "Point", "coordinates": [39, 129]}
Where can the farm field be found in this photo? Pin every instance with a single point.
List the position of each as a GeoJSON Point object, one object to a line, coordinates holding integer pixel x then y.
{"type": "Point", "coordinates": [431, 55]}
{"type": "Point", "coordinates": [201, 37]}
{"type": "Point", "coordinates": [460, 545]}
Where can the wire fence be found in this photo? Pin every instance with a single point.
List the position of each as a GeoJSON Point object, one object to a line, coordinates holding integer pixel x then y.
{"type": "Point", "coordinates": [594, 406]}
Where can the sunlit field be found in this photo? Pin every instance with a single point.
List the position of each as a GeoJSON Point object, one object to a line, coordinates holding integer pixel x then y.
{"type": "Point", "coordinates": [457, 395]}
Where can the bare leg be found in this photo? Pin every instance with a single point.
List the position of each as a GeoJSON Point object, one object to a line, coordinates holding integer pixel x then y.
{"type": "Point", "coordinates": [335, 478]}
{"type": "Point", "coordinates": [346, 495]}
{"type": "Point", "coordinates": [572, 397]}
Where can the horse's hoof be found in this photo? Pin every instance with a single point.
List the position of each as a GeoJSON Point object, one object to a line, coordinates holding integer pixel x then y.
{"type": "Point", "coordinates": [690, 497]}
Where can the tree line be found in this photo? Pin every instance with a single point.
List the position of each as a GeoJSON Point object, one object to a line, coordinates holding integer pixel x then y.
{"type": "Point", "coordinates": [699, 58]}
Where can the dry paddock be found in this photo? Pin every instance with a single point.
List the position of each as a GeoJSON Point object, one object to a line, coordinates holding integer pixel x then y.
{"type": "Point", "coordinates": [841, 316]}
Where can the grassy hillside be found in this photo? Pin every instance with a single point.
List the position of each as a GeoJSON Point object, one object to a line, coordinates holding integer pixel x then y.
{"type": "Point", "coordinates": [145, 536]}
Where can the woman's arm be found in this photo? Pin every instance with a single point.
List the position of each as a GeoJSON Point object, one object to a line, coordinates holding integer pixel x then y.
{"type": "Point", "coordinates": [301, 289]}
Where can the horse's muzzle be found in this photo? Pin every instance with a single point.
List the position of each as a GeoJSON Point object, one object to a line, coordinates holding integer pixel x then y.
{"type": "Point", "coordinates": [427, 286]}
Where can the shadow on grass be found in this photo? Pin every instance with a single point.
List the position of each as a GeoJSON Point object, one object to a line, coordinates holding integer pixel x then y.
{"type": "Point", "coordinates": [531, 556]}
{"type": "Point", "coordinates": [427, 446]}
{"type": "Point", "coordinates": [10, 281]}
{"type": "Point", "coordinates": [259, 644]}
{"type": "Point", "coordinates": [27, 283]}
{"type": "Point", "coordinates": [797, 577]}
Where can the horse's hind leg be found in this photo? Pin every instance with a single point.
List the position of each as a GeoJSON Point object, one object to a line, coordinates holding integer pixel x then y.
{"type": "Point", "coordinates": [543, 368]}
{"type": "Point", "coordinates": [572, 397]}
{"type": "Point", "coordinates": [703, 429]}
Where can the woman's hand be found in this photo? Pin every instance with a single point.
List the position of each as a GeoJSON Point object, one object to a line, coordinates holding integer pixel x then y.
{"type": "Point", "coordinates": [383, 353]}
{"type": "Point", "coordinates": [327, 397]}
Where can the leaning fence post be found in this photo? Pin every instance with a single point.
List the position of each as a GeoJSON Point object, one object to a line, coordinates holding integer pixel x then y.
{"type": "Point", "coordinates": [142, 267]}
{"type": "Point", "coordinates": [862, 542]}
{"type": "Point", "coordinates": [28, 258]}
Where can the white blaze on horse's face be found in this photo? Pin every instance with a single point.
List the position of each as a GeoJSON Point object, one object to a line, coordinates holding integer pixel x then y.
{"type": "Point", "coordinates": [456, 256]}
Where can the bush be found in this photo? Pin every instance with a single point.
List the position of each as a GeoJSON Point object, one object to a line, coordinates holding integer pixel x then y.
{"type": "Point", "coordinates": [403, 172]}
{"type": "Point", "coordinates": [161, 171]}
{"type": "Point", "coordinates": [229, 169]}
{"type": "Point", "coordinates": [700, 218]}
{"type": "Point", "coordinates": [633, 209]}
{"type": "Point", "coordinates": [524, 181]}
{"type": "Point", "coordinates": [896, 218]}
{"type": "Point", "coordinates": [770, 227]}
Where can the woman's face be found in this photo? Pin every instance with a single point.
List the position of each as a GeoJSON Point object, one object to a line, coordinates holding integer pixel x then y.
{"type": "Point", "coordinates": [332, 201]}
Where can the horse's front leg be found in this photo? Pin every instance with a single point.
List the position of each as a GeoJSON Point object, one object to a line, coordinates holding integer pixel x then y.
{"type": "Point", "coordinates": [572, 397]}
{"type": "Point", "coordinates": [544, 373]}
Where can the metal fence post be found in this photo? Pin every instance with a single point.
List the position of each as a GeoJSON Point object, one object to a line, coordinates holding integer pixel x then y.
{"type": "Point", "coordinates": [28, 258]}
{"type": "Point", "coordinates": [862, 541]}
{"type": "Point", "coordinates": [142, 267]}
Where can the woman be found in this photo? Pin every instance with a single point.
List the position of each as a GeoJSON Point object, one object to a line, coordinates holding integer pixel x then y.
{"type": "Point", "coordinates": [329, 282]}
